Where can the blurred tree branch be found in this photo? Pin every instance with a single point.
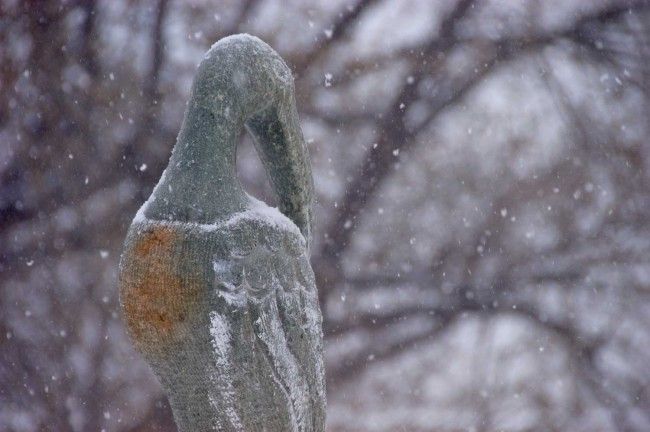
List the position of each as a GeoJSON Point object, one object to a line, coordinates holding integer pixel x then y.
{"type": "Point", "coordinates": [337, 31]}
{"type": "Point", "coordinates": [395, 136]}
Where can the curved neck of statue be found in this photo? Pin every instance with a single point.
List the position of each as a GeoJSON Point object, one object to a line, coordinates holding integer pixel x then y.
{"type": "Point", "coordinates": [200, 183]}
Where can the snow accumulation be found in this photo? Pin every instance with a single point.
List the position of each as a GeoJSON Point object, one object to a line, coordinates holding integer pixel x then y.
{"type": "Point", "coordinates": [221, 339]}
{"type": "Point", "coordinates": [241, 37]}
{"type": "Point", "coordinates": [257, 211]}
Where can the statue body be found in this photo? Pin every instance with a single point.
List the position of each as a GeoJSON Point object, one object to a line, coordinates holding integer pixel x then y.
{"type": "Point", "coordinates": [216, 287]}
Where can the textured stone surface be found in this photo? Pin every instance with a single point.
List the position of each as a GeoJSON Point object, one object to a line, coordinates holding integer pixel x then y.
{"type": "Point", "coordinates": [216, 287]}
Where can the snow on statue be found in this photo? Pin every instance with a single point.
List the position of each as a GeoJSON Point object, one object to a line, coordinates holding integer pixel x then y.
{"type": "Point", "coordinates": [216, 287]}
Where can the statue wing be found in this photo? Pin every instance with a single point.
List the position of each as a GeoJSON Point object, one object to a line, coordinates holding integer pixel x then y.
{"type": "Point", "coordinates": [277, 301]}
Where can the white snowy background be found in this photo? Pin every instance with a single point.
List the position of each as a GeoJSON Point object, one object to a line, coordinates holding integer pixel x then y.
{"type": "Point", "coordinates": [482, 170]}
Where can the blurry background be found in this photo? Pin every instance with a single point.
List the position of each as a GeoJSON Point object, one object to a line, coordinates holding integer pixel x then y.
{"type": "Point", "coordinates": [482, 171]}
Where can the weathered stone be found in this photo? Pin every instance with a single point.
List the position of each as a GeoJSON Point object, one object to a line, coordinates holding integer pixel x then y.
{"type": "Point", "coordinates": [216, 287]}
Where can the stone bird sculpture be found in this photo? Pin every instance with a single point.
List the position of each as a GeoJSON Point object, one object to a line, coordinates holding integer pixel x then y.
{"type": "Point", "coordinates": [216, 287]}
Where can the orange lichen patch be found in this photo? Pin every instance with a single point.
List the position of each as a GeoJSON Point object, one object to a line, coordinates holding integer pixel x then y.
{"type": "Point", "coordinates": [156, 298]}
{"type": "Point", "coordinates": [155, 238]}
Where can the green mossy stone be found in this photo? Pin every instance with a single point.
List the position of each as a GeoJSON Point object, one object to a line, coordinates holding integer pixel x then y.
{"type": "Point", "coordinates": [216, 287]}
